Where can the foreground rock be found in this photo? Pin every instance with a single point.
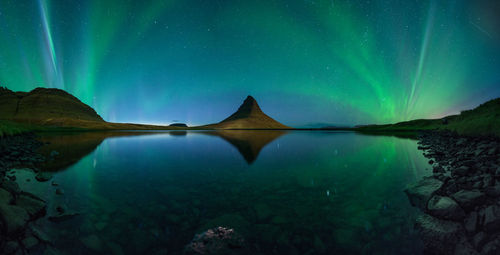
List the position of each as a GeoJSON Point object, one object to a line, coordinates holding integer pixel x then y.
{"type": "Point", "coordinates": [218, 240]}
{"type": "Point", "coordinates": [420, 192]}
{"type": "Point", "coordinates": [439, 236]}
{"type": "Point", "coordinates": [445, 208]}
{"type": "Point", "coordinates": [18, 209]}
{"type": "Point", "coordinates": [461, 201]}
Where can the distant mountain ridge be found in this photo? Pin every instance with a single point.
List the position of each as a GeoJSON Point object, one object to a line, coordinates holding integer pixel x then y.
{"type": "Point", "coordinates": [249, 116]}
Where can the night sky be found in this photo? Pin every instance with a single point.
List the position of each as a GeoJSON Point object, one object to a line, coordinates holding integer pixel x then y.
{"type": "Point", "coordinates": [339, 62]}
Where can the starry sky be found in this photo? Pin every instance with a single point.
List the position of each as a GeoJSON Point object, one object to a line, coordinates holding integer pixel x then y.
{"type": "Point", "coordinates": [305, 61]}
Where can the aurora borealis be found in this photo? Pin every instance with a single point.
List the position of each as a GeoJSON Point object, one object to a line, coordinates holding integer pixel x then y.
{"type": "Point", "coordinates": [343, 62]}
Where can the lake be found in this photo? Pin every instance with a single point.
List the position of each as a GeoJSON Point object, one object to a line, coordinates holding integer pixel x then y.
{"type": "Point", "coordinates": [298, 192]}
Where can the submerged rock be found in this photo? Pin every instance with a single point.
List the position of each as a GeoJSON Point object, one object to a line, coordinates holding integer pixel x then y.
{"type": "Point", "coordinates": [218, 240]}
{"type": "Point", "coordinates": [491, 216]}
{"type": "Point", "coordinates": [35, 207]}
{"type": "Point", "coordinates": [93, 243]}
{"type": "Point", "coordinates": [29, 242]}
{"type": "Point", "coordinates": [469, 198]}
{"type": "Point", "coordinates": [5, 197]}
{"type": "Point", "coordinates": [471, 222]}
{"type": "Point", "coordinates": [43, 176]}
{"type": "Point", "coordinates": [11, 247]}
{"type": "Point", "coordinates": [419, 193]}
{"type": "Point", "coordinates": [445, 208]}
{"type": "Point", "coordinates": [439, 236]}
{"type": "Point", "coordinates": [63, 216]}
{"type": "Point", "coordinates": [14, 217]}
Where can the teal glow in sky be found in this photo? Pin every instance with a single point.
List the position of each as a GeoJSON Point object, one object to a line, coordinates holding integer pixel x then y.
{"type": "Point", "coordinates": [343, 62]}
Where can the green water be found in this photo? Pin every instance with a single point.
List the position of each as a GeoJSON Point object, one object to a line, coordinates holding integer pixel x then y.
{"type": "Point", "coordinates": [286, 193]}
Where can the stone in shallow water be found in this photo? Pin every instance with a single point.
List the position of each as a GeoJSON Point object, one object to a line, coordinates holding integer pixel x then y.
{"type": "Point", "coordinates": [493, 191]}
{"type": "Point", "coordinates": [491, 216]}
{"type": "Point", "coordinates": [63, 216]}
{"type": "Point", "coordinates": [419, 193]}
{"type": "Point", "coordinates": [492, 247]}
{"type": "Point", "coordinates": [263, 211]}
{"type": "Point", "coordinates": [445, 208]}
{"type": "Point", "coordinates": [92, 242]}
{"type": "Point", "coordinates": [10, 247]}
{"type": "Point", "coordinates": [234, 221]}
{"type": "Point", "coordinates": [29, 242]}
{"type": "Point", "coordinates": [460, 171]}
{"type": "Point", "coordinates": [11, 186]}
{"type": "Point", "coordinates": [5, 197]}
{"type": "Point", "coordinates": [218, 240]}
{"type": "Point", "coordinates": [35, 207]}
{"type": "Point", "coordinates": [43, 176]}
{"type": "Point", "coordinates": [464, 247]}
{"type": "Point", "coordinates": [15, 217]}
{"type": "Point", "coordinates": [116, 249]}
{"type": "Point", "coordinates": [59, 191]}
{"type": "Point", "coordinates": [100, 225]}
{"type": "Point", "coordinates": [479, 239]}
{"type": "Point", "coordinates": [470, 222]}
{"type": "Point", "coordinates": [468, 198]}
{"type": "Point", "coordinates": [439, 236]}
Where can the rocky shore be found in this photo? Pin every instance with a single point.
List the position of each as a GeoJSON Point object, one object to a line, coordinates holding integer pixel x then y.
{"type": "Point", "coordinates": [20, 209]}
{"type": "Point", "coordinates": [461, 201]}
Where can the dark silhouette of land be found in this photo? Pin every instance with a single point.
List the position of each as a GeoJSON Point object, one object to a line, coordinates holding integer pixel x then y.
{"type": "Point", "coordinates": [482, 120]}
{"type": "Point", "coordinates": [53, 109]}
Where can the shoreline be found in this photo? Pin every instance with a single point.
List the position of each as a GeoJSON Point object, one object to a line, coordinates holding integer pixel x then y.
{"type": "Point", "coordinates": [460, 202]}
{"type": "Point", "coordinates": [20, 210]}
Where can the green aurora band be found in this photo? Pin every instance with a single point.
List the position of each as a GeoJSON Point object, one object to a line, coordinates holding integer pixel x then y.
{"type": "Point", "coordinates": [343, 62]}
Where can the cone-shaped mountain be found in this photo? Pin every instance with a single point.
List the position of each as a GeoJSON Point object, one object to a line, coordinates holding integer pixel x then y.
{"type": "Point", "coordinates": [249, 116]}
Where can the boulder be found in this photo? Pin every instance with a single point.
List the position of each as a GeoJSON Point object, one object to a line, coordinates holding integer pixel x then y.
{"type": "Point", "coordinates": [35, 207]}
{"type": "Point", "coordinates": [419, 193]}
{"type": "Point", "coordinates": [465, 248]}
{"type": "Point", "coordinates": [445, 208]}
{"type": "Point", "coordinates": [460, 171]}
{"type": "Point", "coordinates": [93, 243]}
{"type": "Point", "coordinates": [14, 217]}
{"type": "Point", "coordinates": [471, 222]}
{"type": "Point", "coordinates": [438, 236]}
{"type": "Point", "coordinates": [467, 199]}
{"type": "Point", "coordinates": [493, 191]}
{"type": "Point", "coordinates": [29, 242]}
{"type": "Point", "coordinates": [5, 197]}
{"type": "Point", "coordinates": [492, 247]}
{"type": "Point", "coordinates": [43, 176]}
{"type": "Point", "coordinates": [491, 216]}
{"type": "Point", "coordinates": [219, 240]}
{"type": "Point", "coordinates": [64, 216]}
{"type": "Point", "coordinates": [11, 247]}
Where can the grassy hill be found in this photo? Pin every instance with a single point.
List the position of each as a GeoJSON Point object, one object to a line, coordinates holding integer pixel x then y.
{"type": "Point", "coordinates": [482, 120]}
{"type": "Point", "coordinates": [51, 109]}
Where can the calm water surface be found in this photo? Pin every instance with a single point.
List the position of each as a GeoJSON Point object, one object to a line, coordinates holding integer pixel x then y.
{"type": "Point", "coordinates": [299, 192]}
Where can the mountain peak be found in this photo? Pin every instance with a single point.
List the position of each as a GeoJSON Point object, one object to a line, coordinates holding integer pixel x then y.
{"type": "Point", "coordinates": [250, 99]}
{"type": "Point", "coordinates": [250, 116]}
